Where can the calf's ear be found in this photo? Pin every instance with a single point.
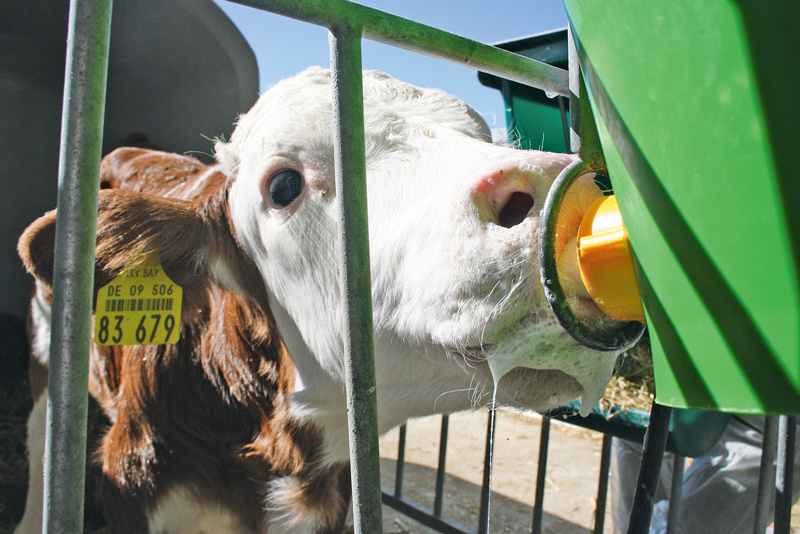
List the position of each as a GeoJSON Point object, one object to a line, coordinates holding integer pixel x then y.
{"type": "Point", "coordinates": [36, 247]}
{"type": "Point", "coordinates": [194, 243]}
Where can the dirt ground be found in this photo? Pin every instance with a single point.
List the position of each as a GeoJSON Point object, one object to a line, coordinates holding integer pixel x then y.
{"type": "Point", "coordinates": [571, 480]}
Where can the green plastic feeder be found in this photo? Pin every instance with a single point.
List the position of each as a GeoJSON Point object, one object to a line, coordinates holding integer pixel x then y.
{"type": "Point", "coordinates": [532, 116]}
{"type": "Point", "coordinates": [697, 104]}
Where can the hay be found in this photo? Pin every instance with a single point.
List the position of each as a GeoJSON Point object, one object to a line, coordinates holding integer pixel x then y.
{"type": "Point", "coordinates": [633, 387]}
{"type": "Point", "coordinates": [15, 403]}
{"type": "Point", "coordinates": [13, 471]}
{"type": "Point", "coordinates": [13, 463]}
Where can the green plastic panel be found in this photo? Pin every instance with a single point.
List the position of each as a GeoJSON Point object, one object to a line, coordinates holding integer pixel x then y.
{"type": "Point", "coordinates": [692, 433]}
{"type": "Point", "coordinates": [534, 124]}
{"type": "Point", "coordinates": [533, 119]}
{"type": "Point", "coordinates": [697, 109]}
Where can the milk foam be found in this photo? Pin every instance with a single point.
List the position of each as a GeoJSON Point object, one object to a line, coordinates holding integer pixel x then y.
{"type": "Point", "coordinates": [592, 369]}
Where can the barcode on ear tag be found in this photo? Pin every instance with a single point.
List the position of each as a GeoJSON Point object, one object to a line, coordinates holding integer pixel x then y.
{"type": "Point", "coordinates": [141, 306]}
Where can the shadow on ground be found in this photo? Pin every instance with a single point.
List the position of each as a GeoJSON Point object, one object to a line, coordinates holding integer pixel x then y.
{"type": "Point", "coordinates": [462, 504]}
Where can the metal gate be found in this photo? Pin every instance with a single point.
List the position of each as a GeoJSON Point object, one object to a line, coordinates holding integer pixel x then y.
{"type": "Point", "coordinates": [82, 119]}
{"type": "Point", "coordinates": [778, 454]}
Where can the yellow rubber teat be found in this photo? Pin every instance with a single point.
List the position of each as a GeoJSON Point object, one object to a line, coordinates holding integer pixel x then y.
{"type": "Point", "coordinates": [605, 263]}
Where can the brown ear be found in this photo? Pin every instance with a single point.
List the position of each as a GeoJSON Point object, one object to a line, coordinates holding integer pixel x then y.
{"type": "Point", "coordinates": [194, 242]}
{"type": "Point", "coordinates": [36, 247]}
{"type": "Point", "coordinates": [155, 172]}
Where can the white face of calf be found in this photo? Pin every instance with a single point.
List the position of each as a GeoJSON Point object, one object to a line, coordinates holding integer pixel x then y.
{"type": "Point", "coordinates": [453, 227]}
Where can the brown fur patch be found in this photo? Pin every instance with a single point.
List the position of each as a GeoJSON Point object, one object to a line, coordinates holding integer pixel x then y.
{"type": "Point", "coordinates": [209, 413]}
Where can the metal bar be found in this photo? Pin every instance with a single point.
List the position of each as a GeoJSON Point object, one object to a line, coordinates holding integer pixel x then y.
{"type": "Point", "coordinates": [602, 485]}
{"type": "Point", "coordinates": [584, 138]}
{"type": "Point", "coordinates": [486, 487]}
{"type": "Point", "coordinates": [403, 33]}
{"type": "Point", "coordinates": [351, 186]}
{"type": "Point", "coordinates": [766, 475]}
{"type": "Point", "coordinates": [675, 493]}
{"type": "Point", "coordinates": [564, 121]}
{"type": "Point", "coordinates": [512, 130]}
{"type": "Point", "coordinates": [574, 76]}
{"type": "Point", "coordinates": [348, 22]}
{"type": "Point", "coordinates": [783, 484]}
{"type": "Point", "coordinates": [73, 277]}
{"type": "Point", "coordinates": [541, 473]}
{"type": "Point", "coordinates": [424, 515]}
{"type": "Point", "coordinates": [655, 441]}
{"type": "Point", "coordinates": [438, 499]}
{"type": "Point", "coordinates": [401, 462]}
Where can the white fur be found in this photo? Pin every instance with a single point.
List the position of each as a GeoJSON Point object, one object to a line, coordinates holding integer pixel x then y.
{"type": "Point", "coordinates": [31, 522]}
{"type": "Point", "coordinates": [450, 290]}
{"type": "Point", "coordinates": [180, 512]}
{"type": "Point", "coordinates": [40, 325]}
{"type": "Point", "coordinates": [285, 517]}
{"type": "Point", "coordinates": [37, 420]}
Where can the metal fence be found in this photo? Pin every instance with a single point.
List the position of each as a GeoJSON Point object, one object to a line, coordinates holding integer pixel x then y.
{"type": "Point", "coordinates": [435, 519]}
{"type": "Point", "coordinates": [82, 119]}
{"type": "Point", "coordinates": [775, 478]}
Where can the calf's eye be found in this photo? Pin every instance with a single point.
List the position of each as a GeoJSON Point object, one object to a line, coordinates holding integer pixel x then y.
{"type": "Point", "coordinates": [284, 186]}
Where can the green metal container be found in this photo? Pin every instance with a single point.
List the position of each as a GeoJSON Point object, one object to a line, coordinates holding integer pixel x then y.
{"type": "Point", "coordinates": [697, 104]}
{"type": "Point", "coordinates": [533, 119]}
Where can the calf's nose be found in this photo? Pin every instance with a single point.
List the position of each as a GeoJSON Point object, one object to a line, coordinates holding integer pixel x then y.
{"type": "Point", "coordinates": [507, 189]}
{"type": "Point", "coordinates": [505, 193]}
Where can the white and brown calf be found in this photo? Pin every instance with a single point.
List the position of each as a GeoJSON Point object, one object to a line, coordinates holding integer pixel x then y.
{"type": "Point", "coordinates": [241, 426]}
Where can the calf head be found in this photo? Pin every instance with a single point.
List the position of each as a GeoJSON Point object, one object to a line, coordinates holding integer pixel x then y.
{"type": "Point", "coordinates": [453, 223]}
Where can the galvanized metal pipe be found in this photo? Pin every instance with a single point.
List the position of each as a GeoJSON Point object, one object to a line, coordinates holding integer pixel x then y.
{"type": "Point", "coordinates": [584, 139]}
{"type": "Point", "coordinates": [541, 474]}
{"type": "Point", "coordinates": [562, 107]}
{"type": "Point", "coordinates": [73, 277]}
{"type": "Point", "coordinates": [783, 484]}
{"type": "Point", "coordinates": [438, 500]}
{"type": "Point", "coordinates": [655, 441]}
{"type": "Point", "coordinates": [486, 487]}
{"type": "Point", "coordinates": [403, 33]}
{"type": "Point", "coordinates": [574, 77]}
{"type": "Point", "coordinates": [602, 485]}
{"type": "Point", "coordinates": [675, 494]}
{"type": "Point", "coordinates": [401, 462]}
{"type": "Point", "coordinates": [351, 188]}
{"type": "Point", "coordinates": [766, 475]}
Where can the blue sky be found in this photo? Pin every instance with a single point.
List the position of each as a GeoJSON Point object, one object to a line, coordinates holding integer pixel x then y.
{"type": "Point", "coordinates": [284, 47]}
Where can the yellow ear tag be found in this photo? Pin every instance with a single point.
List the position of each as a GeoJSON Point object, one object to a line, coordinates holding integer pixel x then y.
{"type": "Point", "coordinates": [141, 306]}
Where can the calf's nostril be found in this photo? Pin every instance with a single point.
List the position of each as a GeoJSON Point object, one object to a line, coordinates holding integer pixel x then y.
{"type": "Point", "coordinates": [515, 209]}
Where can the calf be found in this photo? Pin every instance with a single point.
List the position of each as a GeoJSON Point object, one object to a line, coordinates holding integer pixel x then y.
{"type": "Point", "coordinates": [241, 425]}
